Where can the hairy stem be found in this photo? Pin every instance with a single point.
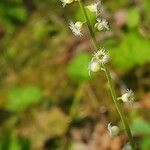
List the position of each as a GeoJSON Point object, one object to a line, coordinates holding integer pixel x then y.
{"type": "Point", "coordinates": [111, 85]}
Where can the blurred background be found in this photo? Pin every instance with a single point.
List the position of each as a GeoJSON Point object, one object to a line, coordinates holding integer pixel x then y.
{"type": "Point", "coordinates": [48, 101]}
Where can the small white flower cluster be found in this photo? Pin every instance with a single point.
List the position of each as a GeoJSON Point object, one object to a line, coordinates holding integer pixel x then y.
{"type": "Point", "coordinates": [76, 28]}
{"type": "Point", "coordinates": [127, 97]}
{"type": "Point", "coordinates": [92, 7]}
{"type": "Point", "coordinates": [99, 58]}
{"type": "Point", "coordinates": [97, 8]}
{"type": "Point", "coordinates": [113, 130]}
{"type": "Point", "coordinates": [101, 24]}
{"type": "Point", "coordinates": [94, 66]}
{"type": "Point", "coordinates": [65, 2]}
{"type": "Point", "coordinates": [127, 147]}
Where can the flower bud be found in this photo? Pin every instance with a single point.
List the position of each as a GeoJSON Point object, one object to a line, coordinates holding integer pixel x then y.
{"type": "Point", "coordinates": [94, 66]}
{"type": "Point", "coordinates": [113, 130]}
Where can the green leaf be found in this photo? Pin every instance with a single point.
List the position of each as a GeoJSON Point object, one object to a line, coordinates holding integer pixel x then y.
{"type": "Point", "coordinates": [5, 140]}
{"type": "Point", "coordinates": [17, 13]}
{"type": "Point", "coordinates": [78, 69]}
{"type": "Point", "coordinates": [140, 126]}
{"type": "Point", "coordinates": [14, 144]}
{"type": "Point", "coordinates": [25, 144]}
{"type": "Point", "coordinates": [145, 143]}
{"type": "Point", "coordinates": [9, 141]}
{"type": "Point", "coordinates": [19, 99]}
{"type": "Point", "coordinates": [133, 18]}
{"type": "Point", "coordinates": [133, 50]}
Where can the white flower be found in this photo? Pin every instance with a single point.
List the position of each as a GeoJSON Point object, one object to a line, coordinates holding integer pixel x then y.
{"type": "Point", "coordinates": [101, 56]}
{"type": "Point", "coordinates": [101, 25]}
{"type": "Point", "coordinates": [95, 8]}
{"type": "Point", "coordinates": [94, 66]}
{"type": "Point", "coordinates": [65, 2]}
{"type": "Point", "coordinates": [128, 96]}
{"type": "Point", "coordinates": [127, 147]}
{"type": "Point", "coordinates": [76, 28]}
{"type": "Point", "coordinates": [92, 7]}
{"type": "Point", "coordinates": [113, 130]}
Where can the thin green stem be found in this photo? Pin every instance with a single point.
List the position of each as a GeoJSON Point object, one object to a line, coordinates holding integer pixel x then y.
{"type": "Point", "coordinates": [112, 87]}
{"type": "Point", "coordinates": [119, 107]}
{"type": "Point", "coordinates": [89, 25]}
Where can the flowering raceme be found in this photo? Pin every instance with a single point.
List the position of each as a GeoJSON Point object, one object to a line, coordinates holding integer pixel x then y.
{"type": "Point", "coordinates": [99, 61]}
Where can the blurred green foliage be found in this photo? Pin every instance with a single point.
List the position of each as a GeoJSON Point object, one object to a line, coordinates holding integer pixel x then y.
{"type": "Point", "coordinates": [12, 142]}
{"type": "Point", "coordinates": [146, 5]}
{"type": "Point", "coordinates": [142, 127]}
{"type": "Point", "coordinates": [133, 18]}
{"type": "Point", "coordinates": [78, 68]}
{"type": "Point", "coordinates": [145, 144]}
{"type": "Point", "coordinates": [12, 12]}
{"type": "Point", "coordinates": [19, 99]}
{"type": "Point", "coordinates": [133, 50]}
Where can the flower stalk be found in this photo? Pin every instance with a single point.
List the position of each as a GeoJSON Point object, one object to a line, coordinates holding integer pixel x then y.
{"type": "Point", "coordinates": [109, 79]}
{"type": "Point", "coordinates": [119, 107]}
{"type": "Point", "coordinates": [89, 25]}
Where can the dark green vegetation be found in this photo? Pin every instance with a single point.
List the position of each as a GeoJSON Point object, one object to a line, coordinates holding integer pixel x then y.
{"type": "Point", "coordinates": [43, 70]}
